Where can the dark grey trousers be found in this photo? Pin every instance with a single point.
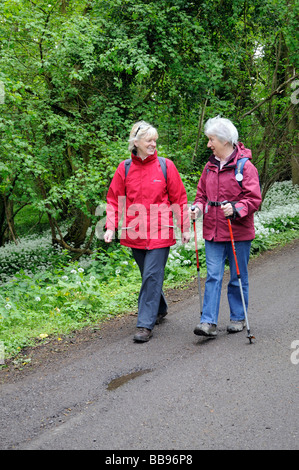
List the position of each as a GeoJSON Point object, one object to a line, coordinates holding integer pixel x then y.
{"type": "Point", "coordinates": [151, 300]}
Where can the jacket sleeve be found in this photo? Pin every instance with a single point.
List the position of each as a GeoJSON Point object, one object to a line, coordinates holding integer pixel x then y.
{"type": "Point", "coordinates": [116, 198]}
{"type": "Point", "coordinates": [177, 197]}
{"type": "Point", "coordinates": [251, 192]}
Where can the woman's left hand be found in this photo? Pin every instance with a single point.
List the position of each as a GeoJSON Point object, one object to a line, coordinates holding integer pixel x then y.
{"type": "Point", "coordinates": [227, 209]}
{"type": "Point", "coordinates": [185, 237]}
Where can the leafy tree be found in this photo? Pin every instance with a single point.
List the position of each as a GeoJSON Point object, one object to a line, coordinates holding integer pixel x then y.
{"type": "Point", "coordinates": [77, 74]}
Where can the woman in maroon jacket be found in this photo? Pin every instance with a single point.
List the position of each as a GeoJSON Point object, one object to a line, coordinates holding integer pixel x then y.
{"type": "Point", "coordinates": [219, 183]}
{"type": "Point", "coordinates": [147, 199]}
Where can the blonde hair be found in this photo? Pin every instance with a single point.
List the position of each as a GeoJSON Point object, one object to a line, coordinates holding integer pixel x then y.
{"type": "Point", "coordinates": [140, 130]}
{"type": "Point", "coordinates": [223, 129]}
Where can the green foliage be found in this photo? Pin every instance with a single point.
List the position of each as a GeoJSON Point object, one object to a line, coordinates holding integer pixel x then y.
{"type": "Point", "coordinates": [78, 74]}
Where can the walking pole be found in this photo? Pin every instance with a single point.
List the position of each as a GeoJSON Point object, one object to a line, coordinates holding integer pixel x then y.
{"type": "Point", "coordinates": [197, 262]}
{"type": "Point", "coordinates": [249, 336]}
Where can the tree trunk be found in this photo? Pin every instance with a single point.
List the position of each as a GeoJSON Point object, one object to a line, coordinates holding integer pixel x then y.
{"type": "Point", "coordinates": [2, 221]}
{"type": "Point", "coordinates": [10, 220]}
{"type": "Point", "coordinates": [293, 128]}
{"type": "Point", "coordinates": [295, 169]}
{"type": "Point", "coordinates": [7, 228]}
{"type": "Point", "coordinates": [77, 232]}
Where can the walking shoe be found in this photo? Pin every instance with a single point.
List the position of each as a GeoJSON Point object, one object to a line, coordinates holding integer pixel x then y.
{"type": "Point", "coordinates": [205, 329]}
{"type": "Point", "coordinates": [160, 317]}
{"type": "Point", "coordinates": [143, 335]}
{"type": "Point", "coordinates": [235, 326]}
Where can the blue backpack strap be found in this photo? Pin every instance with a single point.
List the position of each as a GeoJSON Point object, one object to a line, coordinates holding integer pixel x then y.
{"type": "Point", "coordinates": [162, 164]}
{"type": "Point", "coordinates": [127, 165]}
{"type": "Point", "coordinates": [239, 169]}
{"type": "Point", "coordinates": [163, 167]}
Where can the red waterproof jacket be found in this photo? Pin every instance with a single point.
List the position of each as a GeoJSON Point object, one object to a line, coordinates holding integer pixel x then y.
{"type": "Point", "coordinates": [147, 203]}
{"type": "Point", "coordinates": [217, 185]}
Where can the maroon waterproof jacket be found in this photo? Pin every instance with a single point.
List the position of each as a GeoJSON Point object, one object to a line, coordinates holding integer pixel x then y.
{"type": "Point", "coordinates": [217, 185]}
{"type": "Point", "coordinates": [147, 203]}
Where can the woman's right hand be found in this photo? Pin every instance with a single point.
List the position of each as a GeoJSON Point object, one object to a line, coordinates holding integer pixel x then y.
{"type": "Point", "coordinates": [194, 213]}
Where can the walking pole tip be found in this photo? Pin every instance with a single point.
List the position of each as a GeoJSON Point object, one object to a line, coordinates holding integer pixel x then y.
{"type": "Point", "coordinates": [250, 337]}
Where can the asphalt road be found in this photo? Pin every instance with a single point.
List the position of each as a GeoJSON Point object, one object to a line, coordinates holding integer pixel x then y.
{"type": "Point", "coordinates": [178, 391]}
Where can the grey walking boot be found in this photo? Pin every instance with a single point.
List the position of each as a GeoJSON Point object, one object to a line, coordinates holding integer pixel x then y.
{"type": "Point", "coordinates": [205, 329]}
{"type": "Point", "coordinates": [235, 326]}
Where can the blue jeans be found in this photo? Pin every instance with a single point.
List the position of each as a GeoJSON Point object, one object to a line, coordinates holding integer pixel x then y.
{"type": "Point", "coordinates": [216, 254]}
{"type": "Point", "coordinates": [151, 300]}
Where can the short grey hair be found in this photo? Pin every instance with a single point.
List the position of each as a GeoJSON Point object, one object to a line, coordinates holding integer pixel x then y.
{"type": "Point", "coordinates": [140, 130]}
{"type": "Point", "coordinates": [223, 129]}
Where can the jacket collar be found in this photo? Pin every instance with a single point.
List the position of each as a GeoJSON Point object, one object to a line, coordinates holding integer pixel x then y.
{"type": "Point", "coordinates": [239, 152]}
{"type": "Point", "coordinates": [148, 159]}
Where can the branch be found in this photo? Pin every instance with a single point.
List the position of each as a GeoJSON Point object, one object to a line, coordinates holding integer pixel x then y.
{"type": "Point", "coordinates": [54, 106]}
{"type": "Point", "coordinates": [66, 246]}
{"type": "Point", "coordinates": [275, 92]}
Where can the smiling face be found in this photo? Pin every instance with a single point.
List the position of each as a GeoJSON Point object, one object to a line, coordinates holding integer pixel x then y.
{"type": "Point", "coordinates": [146, 146]}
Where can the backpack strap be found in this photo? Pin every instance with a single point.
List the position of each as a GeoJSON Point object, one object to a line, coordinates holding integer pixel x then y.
{"type": "Point", "coordinates": [239, 169]}
{"type": "Point", "coordinates": [162, 164]}
{"type": "Point", "coordinates": [127, 165]}
{"type": "Point", "coordinates": [163, 167]}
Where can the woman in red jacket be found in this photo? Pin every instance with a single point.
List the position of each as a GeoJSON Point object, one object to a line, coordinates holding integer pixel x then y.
{"type": "Point", "coordinates": [147, 199]}
{"type": "Point", "coordinates": [219, 183]}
